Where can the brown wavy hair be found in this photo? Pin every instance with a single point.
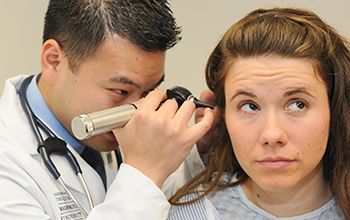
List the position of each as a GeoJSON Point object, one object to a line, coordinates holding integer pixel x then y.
{"type": "Point", "coordinates": [288, 33]}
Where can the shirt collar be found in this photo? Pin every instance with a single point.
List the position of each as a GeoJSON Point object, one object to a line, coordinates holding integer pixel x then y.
{"type": "Point", "coordinates": [42, 111]}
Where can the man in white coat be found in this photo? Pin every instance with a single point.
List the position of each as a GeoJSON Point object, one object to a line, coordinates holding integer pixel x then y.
{"type": "Point", "coordinates": [97, 54]}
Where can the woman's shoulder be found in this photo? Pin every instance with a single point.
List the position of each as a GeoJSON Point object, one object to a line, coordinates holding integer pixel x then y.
{"type": "Point", "coordinates": [196, 210]}
{"type": "Point", "coordinates": [202, 208]}
{"type": "Point", "coordinates": [208, 207]}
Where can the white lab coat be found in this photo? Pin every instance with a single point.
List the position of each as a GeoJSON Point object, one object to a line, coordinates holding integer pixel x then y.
{"type": "Point", "coordinates": [28, 191]}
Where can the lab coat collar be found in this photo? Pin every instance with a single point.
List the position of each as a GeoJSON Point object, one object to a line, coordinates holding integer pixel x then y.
{"type": "Point", "coordinates": [13, 116]}
{"type": "Point", "coordinates": [42, 111]}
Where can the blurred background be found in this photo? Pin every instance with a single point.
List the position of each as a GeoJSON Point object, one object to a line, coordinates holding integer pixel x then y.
{"type": "Point", "coordinates": [203, 22]}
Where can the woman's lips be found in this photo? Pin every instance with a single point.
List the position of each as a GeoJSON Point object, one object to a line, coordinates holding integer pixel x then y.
{"type": "Point", "coordinates": [275, 162]}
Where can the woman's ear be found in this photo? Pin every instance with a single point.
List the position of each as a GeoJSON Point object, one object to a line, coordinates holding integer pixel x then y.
{"type": "Point", "coordinates": [52, 57]}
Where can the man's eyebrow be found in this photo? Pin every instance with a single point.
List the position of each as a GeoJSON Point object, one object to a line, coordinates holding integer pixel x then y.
{"type": "Point", "coordinates": [296, 90]}
{"type": "Point", "coordinates": [124, 80]}
{"type": "Point", "coordinates": [244, 93]}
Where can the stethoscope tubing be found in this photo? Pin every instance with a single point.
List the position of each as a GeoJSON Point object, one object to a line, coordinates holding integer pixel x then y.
{"type": "Point", "coordinates": [45, 153]}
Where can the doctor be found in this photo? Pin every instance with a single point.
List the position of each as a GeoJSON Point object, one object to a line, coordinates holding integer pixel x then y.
{"type": "Point", "coordinates": [97, 55]}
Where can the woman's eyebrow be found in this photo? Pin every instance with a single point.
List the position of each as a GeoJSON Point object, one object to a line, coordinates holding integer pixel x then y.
{"type": "Point", "coordinates": [297, 90]}
{"type": "Point", "coordinates": [243, 93]}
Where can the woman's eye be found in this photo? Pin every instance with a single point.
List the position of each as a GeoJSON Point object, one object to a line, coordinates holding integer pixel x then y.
{"type": "Point", "coordinates": [296, 106]}
{"type": "Point", "coordinates": [249, 107]}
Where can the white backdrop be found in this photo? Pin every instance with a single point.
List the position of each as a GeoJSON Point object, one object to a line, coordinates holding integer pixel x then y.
{"type": "Point", "coordinates": [203, 23]}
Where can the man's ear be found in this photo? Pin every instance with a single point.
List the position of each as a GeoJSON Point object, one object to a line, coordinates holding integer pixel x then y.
{"type": "Point", "coordinates": [52, 58]}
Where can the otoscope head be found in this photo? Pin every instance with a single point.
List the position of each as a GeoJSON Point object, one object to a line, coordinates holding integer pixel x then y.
{"type": "Point", "coordinates": [181, 94]}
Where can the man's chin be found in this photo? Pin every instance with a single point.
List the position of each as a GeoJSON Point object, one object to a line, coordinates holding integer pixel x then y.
{"type": "Point", "coordinates": [103, 142]}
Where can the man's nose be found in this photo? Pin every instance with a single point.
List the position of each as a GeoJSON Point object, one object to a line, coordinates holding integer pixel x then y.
{"type": "Point", "coordinates": [134, 97]}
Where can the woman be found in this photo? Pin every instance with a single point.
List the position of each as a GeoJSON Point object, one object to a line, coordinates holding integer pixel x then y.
{"type": "Point", "coordinates": [282, 80]}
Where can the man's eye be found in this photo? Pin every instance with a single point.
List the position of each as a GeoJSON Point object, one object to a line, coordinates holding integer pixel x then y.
{"type": "Point", "coordinates": [249, 107]}
{"type": "Point", "coordinates": [120, 92]}
{"type": "Point", "coordinates": [144, 94]}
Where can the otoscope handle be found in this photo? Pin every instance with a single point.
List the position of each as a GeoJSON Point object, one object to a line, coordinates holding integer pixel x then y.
{"type": "Point", "coordinates": [88, 125]}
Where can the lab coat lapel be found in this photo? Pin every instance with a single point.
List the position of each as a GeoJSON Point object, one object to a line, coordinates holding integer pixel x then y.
{"type": "Point", "coordinates": [111, 166]}
{"type": "Point", "coordinates": [92, 179]}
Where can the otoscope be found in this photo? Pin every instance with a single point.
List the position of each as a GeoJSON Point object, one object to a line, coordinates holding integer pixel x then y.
{"type": "Point", "coordinates": [88, 125]}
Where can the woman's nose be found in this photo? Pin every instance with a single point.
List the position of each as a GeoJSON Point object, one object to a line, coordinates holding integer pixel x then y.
{"type": "Point", "coordinates": [273, 132]}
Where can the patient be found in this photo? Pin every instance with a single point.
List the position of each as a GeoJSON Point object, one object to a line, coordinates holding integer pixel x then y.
{"type": "Point", "coordinates": [281, 77]}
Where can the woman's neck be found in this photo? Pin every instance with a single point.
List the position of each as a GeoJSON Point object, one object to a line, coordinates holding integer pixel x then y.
{"type": "Point", "coordinates": [307, 196]}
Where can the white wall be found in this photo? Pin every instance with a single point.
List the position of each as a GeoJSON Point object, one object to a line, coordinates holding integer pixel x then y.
{"type": "Point", "coordinates": [203, 23]}
{"type": "Point", "coordinates": [21, 25]}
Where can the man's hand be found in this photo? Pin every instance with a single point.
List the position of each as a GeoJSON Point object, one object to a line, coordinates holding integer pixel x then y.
{"type": "Point", "coordinates": [157, 138]}
{"type": "Point", "coordinates": [204, 144]}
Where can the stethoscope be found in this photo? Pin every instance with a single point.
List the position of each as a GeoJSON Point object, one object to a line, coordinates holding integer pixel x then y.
{"type": "Point", "coordinates": [53, 145]}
